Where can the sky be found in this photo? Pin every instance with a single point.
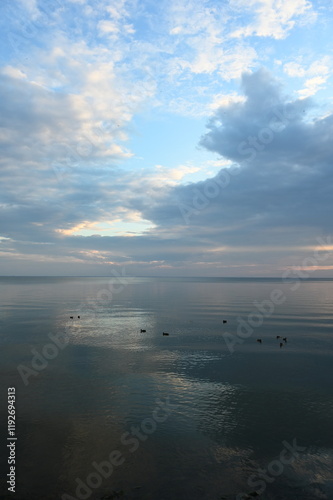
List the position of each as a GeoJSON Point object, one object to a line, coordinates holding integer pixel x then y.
{"type": "Point", "coordinates": [171, 138]}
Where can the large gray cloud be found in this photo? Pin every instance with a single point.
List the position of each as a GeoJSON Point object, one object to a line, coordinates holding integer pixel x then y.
{"type": "Point", "coordinates": [283, 162]}
{"type": "Point", "coordinates": [277, 194]}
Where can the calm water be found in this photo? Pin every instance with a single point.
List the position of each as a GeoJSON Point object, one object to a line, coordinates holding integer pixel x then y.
{"type": "Point", "coordinates": [228, 411]}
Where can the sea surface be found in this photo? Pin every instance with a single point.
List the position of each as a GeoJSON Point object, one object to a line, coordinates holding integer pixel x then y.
{"type": "Point", "coordinates": [106, 410]}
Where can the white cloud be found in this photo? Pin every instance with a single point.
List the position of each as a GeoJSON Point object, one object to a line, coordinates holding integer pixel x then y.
{"type": "Point", "coordinates": [108, 27]}
{"type": "Point", "coordinates": [203, 31]}
{"type": "Point", "coordinates": [30, 6]}
{"type": "Point", "coordinates": [117, 9]}
{"type": "Point", "coordinates": [316, 74]}
{"type": "Point", "coordinates": [237, 60]}
{"type": "Point", "coordinates": [320, 67]}
{"type": "Point", "coordinates": [13, 72]}
{"type": "Point", "coordinates": [114, 28]}
{"type": "Point", "coordinates": [100, 100]}
{"type": "Point", "coordinates": [171, 176]}
{"type": "Point", "coordinates": [192, 17]}
{"type": "Point", "coordinates": [312, 85]}
{"type": "Point", "coordinates": [294, 69]}
{"type": "Point", "coordinates": [273, 18]}
{"type": "Point", "coordinates": [226, 100]}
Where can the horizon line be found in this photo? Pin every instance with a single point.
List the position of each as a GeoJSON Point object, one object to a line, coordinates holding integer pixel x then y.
{"type": "Point", "coordinates": [161, 276]}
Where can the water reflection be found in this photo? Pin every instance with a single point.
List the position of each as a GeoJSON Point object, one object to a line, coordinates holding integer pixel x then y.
{"type": "Point", "coordinates": [231, 412]}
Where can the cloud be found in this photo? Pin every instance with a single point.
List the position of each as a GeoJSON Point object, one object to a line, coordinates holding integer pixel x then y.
{"type": "Point", "coordinates": [268, 125]}
{"type": "Point", "coordinates": [283, 159]}
{"type": "Point", "coordinates": [312, 85]}
{"type": "Point", "coordinates": [281, 185]}
{"type": "Point", "coordinates": [30, 6]}
{"type": "Point", "coordinates": [108, 27]}
{"type": "Point", "coordinates": [316, 74]}
{"type": "Point", "coordinates": [74, 198]}
{"type": "Point", "coordinates": [273, 18]}
{"type": "Point", "coordinates": [278, 200]}
{"type": "Point", "coordinates": [203, 30]}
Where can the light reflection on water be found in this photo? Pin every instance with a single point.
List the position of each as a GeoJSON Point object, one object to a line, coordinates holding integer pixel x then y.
{"type": "Point", "coordinates": [231, 411]}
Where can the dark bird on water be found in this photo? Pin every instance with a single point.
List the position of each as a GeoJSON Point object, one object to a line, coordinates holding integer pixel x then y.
{"type": "Point", "coordinates": [281, 344]}
{"type": "Point", "coordinates": [259, 340]}
{"type": "Point", "coordinates": [165, 333]}
{"type": "Point", "coordinates": [224, 321]}
{"type": "Point", "coordinates": [142, 331]}
{"type": "Point", "coordinates": [285, 339]}
{"type": "Point", "coordinates": [71, 317]}
{"type": "Point", "coordinates": [79, 317]}
{"type": "Point", "coordinates": [278, 336]}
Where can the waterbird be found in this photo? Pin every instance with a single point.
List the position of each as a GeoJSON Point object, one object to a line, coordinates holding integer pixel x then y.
{"type": "Point", "coordinates": [278, 336]}
{"type": "Point", "coordinates": [71, 317]}
{"type": "Point", "coordinates": [285, 339]}
{"type": "Point", "coordinates": [165, 333]}
{"type": "Point", "coordinates": [281, 344]}
{"type": "Point", "coordinates": [259, 340]}
{"type": "Point", "coordinates": [224, 321]}
{"type": "Point", "coordinates": [78, 317]}
{"type": "Point", "coordinates": [142, 331]}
